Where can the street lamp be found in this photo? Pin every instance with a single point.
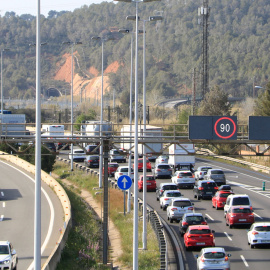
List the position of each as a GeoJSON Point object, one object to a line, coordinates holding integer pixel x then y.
{"type": "Point", "coordinates": [2, 52]}
{"type": "Point", "coordinates": [71, 94]}
{"type": "Point", "coordinates": [101, 106]}
{"type": "Point", "coordinates": [135, 214]}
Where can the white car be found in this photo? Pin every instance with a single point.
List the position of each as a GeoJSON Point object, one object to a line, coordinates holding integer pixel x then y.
{"type": "Point", "coordinates": [213, 258]}
{"type": "Point", "coordinates": [78, 155]}
{"type": "Point", "coordinates": [201, 172]}
{"type": "Point", "coordinates": [123, 170]}
{"type": "Point", "coordinates": [184, 179]}
{"type": "Point", "coordinates": [8, 256]}
{"type": "Point", "coordinates": [236, 199]}
{"type": "Point", "coordinates": [167, 196]}
{"type": "Point", "coordinates": [178, 207]}
{"type": "Point", "coordinates": [259, 234]}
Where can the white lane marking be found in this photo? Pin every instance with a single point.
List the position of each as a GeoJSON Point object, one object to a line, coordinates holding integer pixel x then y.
{"type": "Point", "coordinates": [244, 260]}
{"type": "Point", "coordinates": [51, 210]}
{"type": "Point", "coordinates": [209, 216]}
{"type": "Point", "coordinates": [2, 193]}
{"type": "Point", "coordinates": [228, 236]}
{"type": "Point", "coordinates": [2, 217]}
{"type": "Point", "coordinates": [4, 204]}
{"type": "Point", "coordinates": [257, 215]}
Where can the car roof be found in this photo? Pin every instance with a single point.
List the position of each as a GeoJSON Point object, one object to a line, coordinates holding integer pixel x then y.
{"type": "Point", "coordinates": [238, 195]}
{"type": "Point", "coordinates": [204, 167]}
{"type": "Point", "coordinates": [185, 171]}
{"type": "Point", "coordinates": [206, 181]}
{"type": "Point", "coordinates": [198, 227]}
{"type": "Point", "coordinates": [213, 169]}
{"type": "Point", "coordinates": [173, 191]}
{"type": "Point", "coordinates": [213, 249]}
{"type": "Point", "coordinates": [240, 206]}
{"type": "Point", "coordinates": [114, 163]}
{"type": "Point", "coordinates": [4, 243]}
{"type": "Point", "coordinates": [162, 164]}
{"type": "Point", "coordinates": [261, 224]}
{"type": "Point", "coordinates": [164, 184]}
{"type": "Point", "coordinates": [193, 214]}
{"type": "Point", "coordinates": [181, 199]}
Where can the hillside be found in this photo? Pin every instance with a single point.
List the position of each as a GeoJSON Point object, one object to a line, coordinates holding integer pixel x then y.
{"type": "Point", "coordinates": [238, 48]}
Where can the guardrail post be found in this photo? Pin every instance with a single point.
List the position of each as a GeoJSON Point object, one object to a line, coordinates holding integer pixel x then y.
{"type": "Point", "coordinates": [263, 186]}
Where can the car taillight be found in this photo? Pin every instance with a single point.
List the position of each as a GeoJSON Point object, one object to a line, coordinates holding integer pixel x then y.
{"type": "Point", "coordinates": [190, 208]}
{"type": "Point", "coordinates": [179, 176]}
{"type": "Point", "coordinates": [204, 223]}
{"type": "Point", "coordinates": [251, 215]}
{"type": "Point", "coordinates": [120, 173]}
{"type": "Point", "coordinates": [200, 188]}
{"type": "Point", "coordinates": [251, 208]}
{"type": "Point", "coordinates": [161, 190]}
{"type": "Point", "coordinates": [226, 258]}
{"type": "Point", "coordinates": [254, 233]}
{"type": "Point", "coordinates": [202, 259]}
{"type": "Point", "coordinates": [232, 215]}
{"type": "Point", "coordinates": [200, 173]}
{"type": "Point", "coordinates": [173, 209]}
{"type": "Point", "coordinates": [211, 235]}
{"type": "Point", "coordinates": [215, 187]}
{"type": "Point", "coordinates": [158, 170]}
{"type": "Point", "coordinates": [166, 199]}
{"type": "Point", "coordinates": [184, 223]}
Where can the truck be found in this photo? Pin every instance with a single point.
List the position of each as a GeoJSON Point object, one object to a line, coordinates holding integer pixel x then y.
{"type": "Point", "coordinates": [182, 156]}
{"type": "Point", "coordinates": [53, 130]}
{"type": "Point", "coordinates": [153, 149]}
{"type": "Point", "coordinates": [92, 128]}
{"type": "Point", "coordinates": [12, 124]}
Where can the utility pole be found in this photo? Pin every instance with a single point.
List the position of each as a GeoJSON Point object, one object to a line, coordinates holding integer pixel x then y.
{"type": "Point", "coordinates": [193, 92]}
{"type": "Point", "coordinates": [204, 13]}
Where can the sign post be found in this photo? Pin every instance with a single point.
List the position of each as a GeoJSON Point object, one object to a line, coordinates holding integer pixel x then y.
{"type": "Point", "coordinates": [124, 182]}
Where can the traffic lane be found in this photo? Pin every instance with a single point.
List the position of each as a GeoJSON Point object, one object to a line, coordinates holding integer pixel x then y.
{"type": "Point", "coordinates": [17, 202]}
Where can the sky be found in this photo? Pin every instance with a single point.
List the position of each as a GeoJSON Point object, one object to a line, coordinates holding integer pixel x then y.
{"type": "Point", "coordinates": [30, 6]}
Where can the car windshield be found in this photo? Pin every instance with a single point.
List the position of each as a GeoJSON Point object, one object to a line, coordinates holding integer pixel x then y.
{"type": "Point", "coordinates": [224, 195]}
{"type": "Point", "coordinates": [150, 178]}
{"type": "Point", "coordinates": [173, 194]}
{"type": "Point", "coordinates": [204, 169]}
{"type": "Point", "coordinates": [170, 187]}
{"type": "Point", "coordinates": [209, 185]}
{"type": "Point", "coordinates": [78, 152]}
{"type": "Point", "coordinates": [202, 231]}
{"type": "Point", "coordinates": [194, 218]}
{"type": "Point", "coordinates": [241, 210]}
{"type": "Point", "coordinates": [113, 165]}
{"type": "Point", "coordinates": [262, 228]}
{"type": "Point", "coordinates": [182, 203]}
{"type": "Point", "coordinates": [4, 249]}
{"type": "Point", "coordinates": [214, 255]}
{"type": "Point", "coordinates": [163, 166]}
{"type": "Point", "coordinates": [240, 201]}
{"type": "Point", "coordinates": [217, 172]}
{"type": "Point", "coordinates": [124, 170]}
{"type": "Point", "coordinates": [185, 174]}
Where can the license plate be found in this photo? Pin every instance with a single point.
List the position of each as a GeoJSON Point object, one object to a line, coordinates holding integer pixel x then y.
{"type": "Point", "coordinates": [208, 192]}
{"type": "Point", "coordinates": [242, 219]}
{"type": "Point", "coordinates": [148, 184]}
{"type": "Point", "coordinates": [200, 244]}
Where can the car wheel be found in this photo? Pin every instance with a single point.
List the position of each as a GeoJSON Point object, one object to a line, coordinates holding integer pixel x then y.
{"type": "Point", "coordinates": [195, 196]}
{"type": "Point", "coordinates": [230, 226]}
{"type": "Point", "coordinates": [252, 246]}
{"type": "Point", "coordinates": [213, 206]}
{"type": "Point", "coordinates": [140, 190]}
{"type": "Point", "coordinates": [164, 208]}
{"type": "Point", "coordinates": [227, 223]}
{"type": "Point", "coordinates": [187, 248]}
{"type": "Point", "coordinates": [182, 234]}
{"type": "Point", "coordinates": [217, 208]}
{"type": "Point", "coordinates": [171, 220]}
{"type": "Point", "coordinates": [161, 206]}
{"type": "Point", "coordinates": [199, 197]}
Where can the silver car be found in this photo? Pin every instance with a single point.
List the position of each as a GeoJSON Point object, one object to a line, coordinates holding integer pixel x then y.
{"type": "Point", "coordinates": [163, 170]}
{"type": "Point", "coordinates": [217, 175]}
{"type": "Point", "coordinates": [213, 258]}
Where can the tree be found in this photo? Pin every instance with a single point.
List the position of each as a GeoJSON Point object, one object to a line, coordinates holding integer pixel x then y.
{"type": "Point", "coordinates": [215, 103]}
{"type": "Point", "coordinates": [262, 104]}
{"type": "Point", "coordinates": [91, 115]}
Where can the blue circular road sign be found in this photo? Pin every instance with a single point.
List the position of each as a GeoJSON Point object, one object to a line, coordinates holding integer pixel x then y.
{"type": "Point", "coordinates": [124, 182]}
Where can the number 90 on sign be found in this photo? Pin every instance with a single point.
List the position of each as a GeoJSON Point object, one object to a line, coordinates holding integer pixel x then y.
{"type": "Point", "coordinates": [225, 128]}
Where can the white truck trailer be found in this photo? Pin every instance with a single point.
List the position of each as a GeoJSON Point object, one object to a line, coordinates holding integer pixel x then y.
{"type": "Point", "coordinates": [12, 124]}
{"type": "Point", "coordinates": [92, 128]}
{"type": "Point", "coordinates": [182, 156]}
{"type": "Point", "coordinates": [153, 149]}
{"type": "Point", "coordinates": [53, 130]}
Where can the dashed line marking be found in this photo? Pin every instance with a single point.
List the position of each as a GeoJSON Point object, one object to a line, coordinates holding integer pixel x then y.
{"type": "Point", "coordinates": [257, 215]}
{"type": "Point", "coordinates": [2, 193]}
{"type": "Point", "coordinates": [2, 217]}
{"type": "Point", "coordinates": [244, 260]}
{"type": "Point", "coordinates": [209, 217]}
{"type": "Point", "coordinates": [4, 204]}
{"type": "Point", "coordinates": [228, 236]}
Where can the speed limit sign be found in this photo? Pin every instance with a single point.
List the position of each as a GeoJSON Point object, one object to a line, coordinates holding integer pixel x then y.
{"type": "Point", "coordinates": [225, 127]}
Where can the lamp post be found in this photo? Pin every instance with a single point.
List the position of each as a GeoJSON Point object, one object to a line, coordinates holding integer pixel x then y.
{"type": "Point", "coordinates": [135, 216]}
{"type": "Point", "coordinates": [71, 94]}
{"type": "Point", "coordinates": [2, 104]}
{"type": "Point", "coordinates": [101, 106]}
{"type": "Point", "coordinates": [256, 87]}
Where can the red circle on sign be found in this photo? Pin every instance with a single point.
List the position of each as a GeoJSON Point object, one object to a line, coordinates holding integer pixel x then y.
{"type": "Point", "coordinates": [225, 118]}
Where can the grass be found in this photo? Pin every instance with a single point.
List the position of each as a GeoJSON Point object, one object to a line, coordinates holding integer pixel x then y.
{"type": "Point", "coordinates": [148, 259]}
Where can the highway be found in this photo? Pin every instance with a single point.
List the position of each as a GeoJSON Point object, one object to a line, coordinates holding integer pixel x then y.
{"type": "Point", "coordinates": [17, 200]}
{"type": "Point", "coordinates": [243, 181]}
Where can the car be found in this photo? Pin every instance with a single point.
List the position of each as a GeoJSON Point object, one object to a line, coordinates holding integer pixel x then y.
{"type": "Point", "coordinates": [167, 196]}
{"type": "Point", "coordinates": [201, 172]}
{"type": "Point", "coordinates": [178, 207]}
{"type": "Point", "coordinates": [225, 187]}
{"type": "Point", "coordinates": [199, 236]}
{"type": "Point", "coordinates": [51, 146]}
{"type": "Point", "coordinates": [219, 199]}
{"type": "Point", "coordinates": [259, 234]}
{"type": "Point", "coordinates": [92, 161]}
{"type": "Point", "coordinates": [8, 256]}
{"type": "Point", "coordinates": [150, 183]}
{"type": "Point", "coordinates": [163, 187]}
{"type": "Point", "coordinates": [62, 146]}
{"type": "Point", "coordinates": [205, 189]}
{"type": "Point", "coordinates": [184, 179]}
{"type": "Point", "coordinates": [239, 215]}
{"type": "Point", "coordinates": [112, 167]}
{"type": "Point", "coordinates": [117, 155]}
{"type": "Point", "coordinates": [123, 170]}
{"type": "Point", "coordinates": [191, 219]}
{"type": "Point", "coordinates": [217, 175]}
{"type": "Point", "coordinates": [213, 258]}
{"type": "Point", "coordinates": [163, 170]}
{"type": "Point", "coordinates": [237, 199]}
{"type": "Point", "coordinates": [140, 165]}
{"type": "Point", "coordinates": [78, 155]}
{"type": "Point", "coordinates": [92, 149]}
{"type": "Point", "coordinates": [162, 159]}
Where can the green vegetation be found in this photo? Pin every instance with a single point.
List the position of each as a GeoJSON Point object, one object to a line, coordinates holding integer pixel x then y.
{"type": "Point", "coordinates": [148, 259]}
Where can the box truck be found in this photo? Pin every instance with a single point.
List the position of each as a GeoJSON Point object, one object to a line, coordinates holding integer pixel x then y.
{"type": "Point", "coordinates": [182, 156]}
{"type": "Point", "coordinates": [153, 149]}
{"type": "Point", "coordinates": [53, 130]}
{"type": "Point", "coordinates": [12, 124]}
{"type": "Point", "coordinates": [92, 128]}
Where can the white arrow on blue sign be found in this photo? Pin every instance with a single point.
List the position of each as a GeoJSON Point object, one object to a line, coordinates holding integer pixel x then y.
{"type": "Point", "coordinates": [124, 182]}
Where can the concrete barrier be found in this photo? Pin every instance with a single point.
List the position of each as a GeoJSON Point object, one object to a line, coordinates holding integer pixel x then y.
{"type": "Point", "coordinates": [55, 256]}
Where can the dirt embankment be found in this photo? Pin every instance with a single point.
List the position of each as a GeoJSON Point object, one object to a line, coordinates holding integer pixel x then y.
{"type": "Point", "coordinates": [91, 88]}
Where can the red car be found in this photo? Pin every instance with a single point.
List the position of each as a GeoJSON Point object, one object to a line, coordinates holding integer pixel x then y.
{"type": "Point", "coordinates": [140, 165]}
{"type": "Point", "coordinates": [112, 167]}
{"type": "Point", "coordinates": [219, 199]}
{"type": "Point", "coordinates": [150, 183]}
{"type": "Point", "coordinates": [239, 215]}
{"type": "Point", "coordinates": [199, 236]}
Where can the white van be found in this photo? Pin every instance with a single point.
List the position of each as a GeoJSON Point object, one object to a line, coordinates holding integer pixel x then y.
{"type": "Point", "coordinates": [237, 199]}
{"type": "Point", "coordinates": [117, 156]}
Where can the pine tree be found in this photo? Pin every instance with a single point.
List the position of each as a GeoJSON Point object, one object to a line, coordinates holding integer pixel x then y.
{"type": "Point", "coordinates": [262, 104]}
